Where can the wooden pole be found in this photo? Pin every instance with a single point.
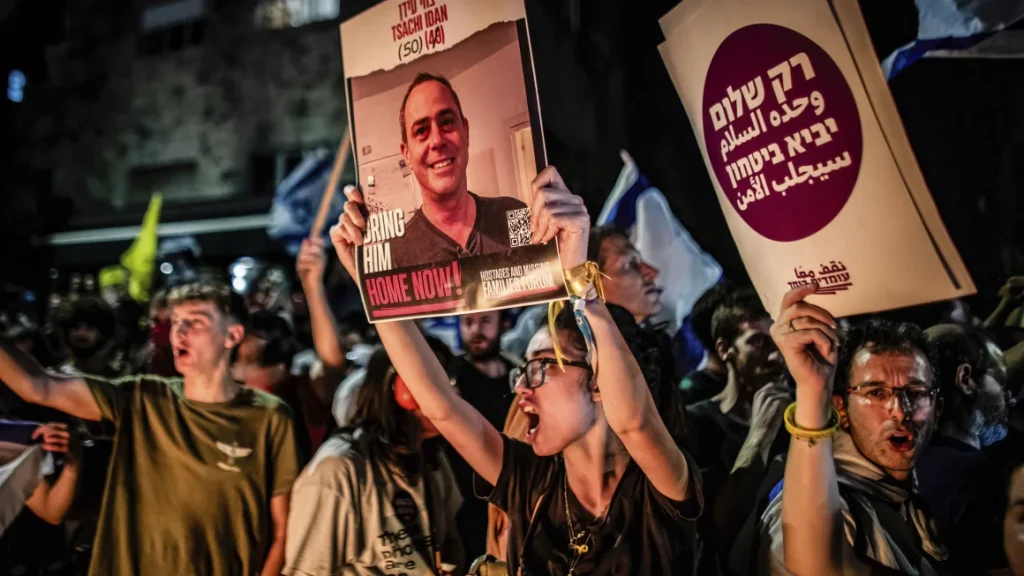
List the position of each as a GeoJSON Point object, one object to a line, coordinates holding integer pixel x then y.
{"type": "Point", "coordinates": [332, 187]}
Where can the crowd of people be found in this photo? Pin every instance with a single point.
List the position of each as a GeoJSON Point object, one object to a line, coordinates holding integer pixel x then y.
{"type": "Point", "coordinates": [238, 438]}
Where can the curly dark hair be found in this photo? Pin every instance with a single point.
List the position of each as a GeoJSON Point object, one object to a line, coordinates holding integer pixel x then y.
{"type": "Point", "coordinates": [880, 336]}
{"type": "Point", "coordinates": [652, 350]}
{"type": "Point", "coordinates": [90, 310]}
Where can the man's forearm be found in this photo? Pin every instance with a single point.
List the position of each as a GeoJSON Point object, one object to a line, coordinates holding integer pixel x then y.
{"type": "Point", "coordinates": [996, 317]}
{"type": "Point", "coordinates": [324, 328]}
{"type": "Point", "coordinates": [275, 559]}
{"type": "Point", "coordinates": [54, 502]}
{"type": "Point", "coordinates": [22, 374]}
{"type": "Point", "coordinates": [811, 515]}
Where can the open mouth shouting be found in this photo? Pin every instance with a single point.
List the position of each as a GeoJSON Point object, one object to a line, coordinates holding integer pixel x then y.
{"type": "Point", "coordinates": [533, 419]}
{"type": "Point", "coordinates": [901, 442]}
{"type": "Point", "coordinates": [181, 352]}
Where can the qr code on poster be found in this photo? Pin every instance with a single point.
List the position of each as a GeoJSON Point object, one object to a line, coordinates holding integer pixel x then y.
{"type": "Point", "coordinates": [518, 227]}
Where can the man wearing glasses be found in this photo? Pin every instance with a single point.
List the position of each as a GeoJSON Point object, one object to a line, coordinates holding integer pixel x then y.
{"type": "Point", "coordinates": [865, 409]}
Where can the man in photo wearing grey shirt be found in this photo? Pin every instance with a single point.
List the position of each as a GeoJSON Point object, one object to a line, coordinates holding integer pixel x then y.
{"type": "Point", "coordinates": [453, 222]}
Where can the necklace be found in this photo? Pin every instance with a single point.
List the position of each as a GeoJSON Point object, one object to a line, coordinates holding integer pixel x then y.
{"type": "Point", "coordinates": [579, 542]}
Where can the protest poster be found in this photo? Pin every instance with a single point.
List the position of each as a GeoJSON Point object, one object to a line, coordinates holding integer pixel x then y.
{"type": "Point", "coordinates": [446, 131]}
{"type": "Point", "coordinates": [808, 155]}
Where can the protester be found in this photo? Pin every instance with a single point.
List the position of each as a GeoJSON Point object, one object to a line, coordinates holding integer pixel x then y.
{"type": "Point", "coordinates": [452, 222]}
{"type": "Point", "coordinates": [737, 431]}
{"type": "Point", "coordinates": [630, 288]}
{"type": "Point", "coordinates": [722, 424]}
{"type": "Point", "coordinates": [35, 542]}
{"type": "Point", "coordinates": [87, 330]}
{"type": "Point", "coordinates": [703, 383]}
{"type": "Point", "coordinates": [630, 281]}
{"type": "Point", "coordinates": [378, 496]}
{"type": "Point", "coordinates": [481, 374]}
{"type": "Point", "coordinates": [961, 484]}
{"type": "Point", "coordinates": [620, 474]}
{"type": "Point", "coordinates": [310, 265]}
{"type": "Point", "coordinates": [159, 356]}
{"type": "Point", "coordinates": [202, 467]}
{"type": "Point", "coordinates": [263, 361]}
{"type": "Point", "coordinates": [515, 427]}
{"type": "Point", "coordinates": [482, 371]}
{"type": "Point", "coordinates": [51, 501]}
{"type": "Point", "coordinates": [865, 410]}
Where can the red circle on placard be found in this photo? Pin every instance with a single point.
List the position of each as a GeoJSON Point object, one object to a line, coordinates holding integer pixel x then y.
{"type": "Point", "coordinates": [786, 173]}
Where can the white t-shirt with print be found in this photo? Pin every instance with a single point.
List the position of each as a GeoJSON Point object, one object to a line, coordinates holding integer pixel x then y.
{"type": "Point", "coordinates": [342, 518]}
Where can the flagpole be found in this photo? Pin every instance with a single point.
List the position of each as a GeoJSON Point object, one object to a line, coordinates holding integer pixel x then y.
{"type": "Point", "coordinates": [332, 186]}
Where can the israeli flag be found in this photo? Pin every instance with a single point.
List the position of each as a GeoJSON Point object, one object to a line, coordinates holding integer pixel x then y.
{"type": "Point", "coordinates": [687, 271]}
{"type": "Point", "coordinates": [297, 199]}
{"type": "Point", "coordinates": [953, 25]}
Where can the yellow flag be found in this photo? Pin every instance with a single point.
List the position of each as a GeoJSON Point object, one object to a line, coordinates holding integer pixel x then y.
{"type": "Point", "coordinates": [140, 259]}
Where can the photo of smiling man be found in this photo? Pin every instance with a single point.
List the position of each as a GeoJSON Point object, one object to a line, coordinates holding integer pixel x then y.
{"type": "Point", "coordinates": [446, 130]}
{"type": "Point", "coordinates": [452, 222]}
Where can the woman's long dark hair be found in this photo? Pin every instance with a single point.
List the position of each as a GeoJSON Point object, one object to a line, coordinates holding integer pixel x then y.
{"type": "Point", "coordinates": [652, 350]}
{"type": "Point", "coordinates": [394, 433]}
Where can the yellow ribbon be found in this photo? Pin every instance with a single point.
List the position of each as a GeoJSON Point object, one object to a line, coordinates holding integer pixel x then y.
{"type": "Point", "coordinates": [579, 280]}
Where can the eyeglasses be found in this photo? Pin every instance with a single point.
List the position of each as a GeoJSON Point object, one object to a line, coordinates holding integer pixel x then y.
{"type": "Point", "coordinates": [534, 371]}
{"type": "Point", "coordinates": [911, 397]}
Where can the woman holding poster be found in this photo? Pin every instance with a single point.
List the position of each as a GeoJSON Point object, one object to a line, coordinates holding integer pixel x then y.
{"type": "Point", "coordinates": [599, 486]}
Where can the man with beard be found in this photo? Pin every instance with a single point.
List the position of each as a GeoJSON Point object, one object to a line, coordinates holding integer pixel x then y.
{"type": "Point", "coordinates": [481, 375]}
{"type": "Point", "coordinates": [865, 410]}
{"type": "Point", "coordinates": [87, 328]}
{"type": "Point", "coordinates": [452, 222]}
{"type": "Point", "coordinates": [482, 372]}
{"type": "Point", "coordinates": [961, 484]}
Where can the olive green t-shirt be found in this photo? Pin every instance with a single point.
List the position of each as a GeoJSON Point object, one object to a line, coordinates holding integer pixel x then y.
{"type": "Point", "coordinates": [190, 483]}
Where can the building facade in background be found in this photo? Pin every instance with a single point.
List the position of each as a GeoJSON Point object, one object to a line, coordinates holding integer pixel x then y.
{"type": "Point", "coordinates": [208, 102]}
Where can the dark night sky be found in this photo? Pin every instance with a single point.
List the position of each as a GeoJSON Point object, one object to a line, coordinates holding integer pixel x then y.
{"type": "Point", "coordinates": [603, 87]}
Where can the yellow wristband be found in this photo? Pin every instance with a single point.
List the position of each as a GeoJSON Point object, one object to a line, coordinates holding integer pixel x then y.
{"type": "Point", "coordinates": [575, 272]}
{"type": "Point", "coordinates": [811, 436]}
{"type": "Point", "coordinates": [580, 280]}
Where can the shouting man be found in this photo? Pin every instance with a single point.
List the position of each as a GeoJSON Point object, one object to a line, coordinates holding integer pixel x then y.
{"type": "Point", "coordinates": [453, 222]}
{"type": "Point", "coordinates": [865, 410]}
{"type": "Point", "coordinates": [202, 467]}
